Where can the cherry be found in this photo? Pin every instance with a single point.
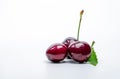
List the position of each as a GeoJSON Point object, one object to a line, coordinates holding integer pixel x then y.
{"type": "Point", "coordinates": [79, 51]}
{"type": "Point", "coordinates": [67, 42]}
{"type": "Point", "coordinates": [56, 52]}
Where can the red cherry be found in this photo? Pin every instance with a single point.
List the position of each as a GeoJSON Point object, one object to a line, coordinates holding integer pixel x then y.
{"type": "Point", "coordinates": [79, 51]}
{"type": "Point", "coordinates": [67, 42]}
{"type": "Point", "coordinates": [56, 52]}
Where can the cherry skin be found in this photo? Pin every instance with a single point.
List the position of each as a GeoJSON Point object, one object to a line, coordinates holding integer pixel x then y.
{"type": "Point", "coordinates": [56, 52]}
{"type": "Point", "coordinates": [67, 42]}
{"type": "Point", "coordinates": [79, 51]}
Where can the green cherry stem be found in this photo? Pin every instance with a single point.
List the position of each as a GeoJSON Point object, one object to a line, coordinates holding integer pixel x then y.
{"type": "Point", "coordinates": [81, 13]}
{"type": "Point", "coordinates": [93, 42]}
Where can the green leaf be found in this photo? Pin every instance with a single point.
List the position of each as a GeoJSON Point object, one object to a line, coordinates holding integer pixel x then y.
{"type": "Point", "coordinates": [93, 58]}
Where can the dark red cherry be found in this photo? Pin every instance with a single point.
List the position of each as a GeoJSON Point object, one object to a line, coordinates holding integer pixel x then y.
{"type": "Point", "coordinates": [67, 42]}
{"type": "Point", "coordinates": [79, 51]}
{"type": "Point", "coordinates": [56, 52]}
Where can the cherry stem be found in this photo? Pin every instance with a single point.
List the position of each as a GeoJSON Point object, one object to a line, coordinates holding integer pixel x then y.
{"type": "Point", "coordinates": [81, 13]}
{"type": "Point", "coordinates": [93, 42]}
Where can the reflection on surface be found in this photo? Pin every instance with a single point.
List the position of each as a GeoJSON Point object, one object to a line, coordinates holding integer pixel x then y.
{"type": "Point", "coordinates": [67, 70]}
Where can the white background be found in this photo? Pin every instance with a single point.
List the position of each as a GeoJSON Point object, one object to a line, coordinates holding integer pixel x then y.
{"type": "Point", "coordinates": [29, 27]}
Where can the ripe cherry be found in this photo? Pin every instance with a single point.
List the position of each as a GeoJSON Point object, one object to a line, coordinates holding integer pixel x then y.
{"type": "Point", "coordinates": [79, 51]}
{"type": "Point", "coordinates": [56, 52]}
{"type": "Point", "coordinates": [67, 42]}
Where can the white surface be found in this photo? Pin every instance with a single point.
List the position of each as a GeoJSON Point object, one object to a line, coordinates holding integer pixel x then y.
{"type": "Point", "coordinates": [28, 27]}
